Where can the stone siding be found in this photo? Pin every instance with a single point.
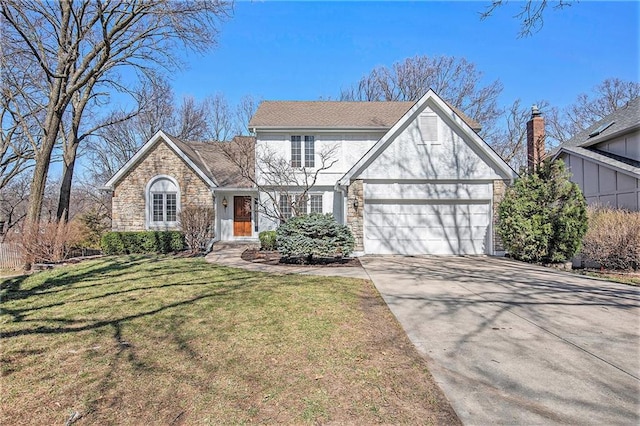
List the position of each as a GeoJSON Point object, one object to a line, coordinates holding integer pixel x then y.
{"type": "Point", "coordinates": [499, 189]}
{"type": "Point", "coordinates": [128, 200]}
{"type": "Point", "coordinates": [355, 217]}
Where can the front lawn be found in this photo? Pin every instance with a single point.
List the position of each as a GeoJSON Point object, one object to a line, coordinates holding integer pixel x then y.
{"type": "Point", "coordinates": [158, 340]}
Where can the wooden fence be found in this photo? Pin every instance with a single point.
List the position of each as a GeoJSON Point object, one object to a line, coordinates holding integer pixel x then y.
{"type": "Point", "coordinates": [10, 256]}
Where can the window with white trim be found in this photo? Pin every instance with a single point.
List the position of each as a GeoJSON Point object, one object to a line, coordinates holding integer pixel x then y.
{"type": "Point", "coordinates": [309, 151]}
{"type": "Point", "coordinates": [284, 203]}
{"type": "Point", "coordinates": [309, 158]}
{"type": "Point", "coordinates": [163, 202]}
{"type": "Point", "coordinates": [312, 204]}
{"type": "Point", "coordinates": [164, 207]}
{"type": "Point", "coordinates": [296, 151]}
{"type": "Point", "coordinates": [315, 203]}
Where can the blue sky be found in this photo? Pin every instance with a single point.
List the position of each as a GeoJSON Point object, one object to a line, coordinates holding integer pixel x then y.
{"type": "Point", "coordinates": [308, 50]}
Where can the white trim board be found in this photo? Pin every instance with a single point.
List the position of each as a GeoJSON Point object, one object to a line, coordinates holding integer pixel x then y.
{"type": "Point", "coordinates": [159, 136]}
{"type": "Point", "coordinates": [432, 100]}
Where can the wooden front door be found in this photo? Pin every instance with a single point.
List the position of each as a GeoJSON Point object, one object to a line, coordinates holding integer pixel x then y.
{"type": "Point", "coordinates": [242, 216]}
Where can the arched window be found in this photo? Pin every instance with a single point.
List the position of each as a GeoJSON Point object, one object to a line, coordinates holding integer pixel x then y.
{"type": "Point", "coordinates": [163, 202]}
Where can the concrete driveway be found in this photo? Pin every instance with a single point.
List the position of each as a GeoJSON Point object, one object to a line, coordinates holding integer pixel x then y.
{"type": "Point", "coordinates": [511, 343]}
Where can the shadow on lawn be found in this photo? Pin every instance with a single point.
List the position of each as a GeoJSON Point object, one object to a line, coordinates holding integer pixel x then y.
{"type": "Point", "coordinates": [227, 281]}
{"type": "Point", "coordinates": [11, 289]}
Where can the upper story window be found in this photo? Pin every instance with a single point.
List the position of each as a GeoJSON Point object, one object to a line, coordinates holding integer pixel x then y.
{"type": "Point", "coordinates": [309, 151]}
{"type": "Point", "coordinates": [296, 151]}
{"type": "Point", "coordinates": [163, 202]}
{"type": "Point", "coordinates": [309, 159]}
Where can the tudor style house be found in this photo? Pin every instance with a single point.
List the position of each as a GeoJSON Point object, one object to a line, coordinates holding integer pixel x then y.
{"type": "Point", "coordinates": [604, 159]}
{"type": "Point", "coordinates": [406, 177]}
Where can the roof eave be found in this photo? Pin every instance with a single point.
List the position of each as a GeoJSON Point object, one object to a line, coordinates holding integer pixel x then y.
{"type": "Point", "coordinates": [320, 128]}
{"type": "Point", "coordinates": [603, 138]}
{"type": "Point", "coordinates": [110, 185]}
{"type": "Point", "coordinates": [398, 127]}
{"type": "Point", "coordinates": [622, 167]}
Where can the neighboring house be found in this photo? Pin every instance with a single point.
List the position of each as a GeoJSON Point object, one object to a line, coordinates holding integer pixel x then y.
{"type": "Point", "coordinates": [406, 177]}
{"type": "Point", "coordinates": [604, 159]}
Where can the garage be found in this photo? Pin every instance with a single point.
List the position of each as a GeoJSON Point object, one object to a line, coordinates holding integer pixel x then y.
{"type": "Point", "coordinates": [427, 227]}
{"type": "Point", "coordinates": [427, 187]}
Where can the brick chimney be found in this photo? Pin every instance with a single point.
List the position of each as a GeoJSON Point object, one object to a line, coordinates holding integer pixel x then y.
{"type": "Point", "coordinates": [535, 138]}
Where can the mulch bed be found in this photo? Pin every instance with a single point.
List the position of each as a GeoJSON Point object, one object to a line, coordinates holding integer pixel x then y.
{"type": "Point", "coordinates": [274, 258]}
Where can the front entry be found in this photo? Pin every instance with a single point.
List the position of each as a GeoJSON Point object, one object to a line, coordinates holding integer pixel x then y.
{"type": "Point", "coordinates": [242, 216]}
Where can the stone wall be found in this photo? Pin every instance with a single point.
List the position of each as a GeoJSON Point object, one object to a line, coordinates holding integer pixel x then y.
{"type": "Point", "coordinates": [355, 217]}
{"type": "Point", "coordinates": [499, 188]}
{"type": "Point", "coordinates": [128, 200]}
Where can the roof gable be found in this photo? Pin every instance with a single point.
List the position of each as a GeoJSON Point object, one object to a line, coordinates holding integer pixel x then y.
{"type": "Point", "coordinates": [333, 115]}
{"type": "Point", "coordinates": [432, 100]}
{"type": "Point", "coordinates": [188, 157]}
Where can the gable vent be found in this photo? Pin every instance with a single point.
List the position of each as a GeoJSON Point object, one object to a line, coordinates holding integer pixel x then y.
{"type": "Point", "coordinates": [429, 128]}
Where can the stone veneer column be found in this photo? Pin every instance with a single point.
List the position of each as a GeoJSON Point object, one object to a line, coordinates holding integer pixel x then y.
{"type": "Point", "coordinates": [355, 217]}
{"type": "Point", "coordinates": [499, 188]}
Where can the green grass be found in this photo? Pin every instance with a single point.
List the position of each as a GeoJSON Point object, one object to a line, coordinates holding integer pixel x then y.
{"type": "Point", "coordinates": [156, 340]}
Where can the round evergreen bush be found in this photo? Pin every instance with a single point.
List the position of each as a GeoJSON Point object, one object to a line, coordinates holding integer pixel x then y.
{"type": "Point", "coordinates": [314, 235]}
{"type": "Point", "coordinates": [543, 216]}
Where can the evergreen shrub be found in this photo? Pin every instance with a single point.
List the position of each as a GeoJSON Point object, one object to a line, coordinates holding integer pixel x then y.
{"type": "Point", "coordinates": [314, 235]}
{"type": "Point", "coordinates": [543, 216]}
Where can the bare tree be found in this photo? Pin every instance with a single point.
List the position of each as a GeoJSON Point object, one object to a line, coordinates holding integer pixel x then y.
{"type": "Point", "coordinates": [245, 109]}
{"type": "Point", "coordinates": [13, 204]}
{"type": "Point", "coordinates": [588, 108]}
{"type": "Point", "coordinates": [456, 80]}
{"type": "Point", "coordinates": [76, 45]}
{"type": "Point", "coordinates": [221, 124]}
{"type": "Point", "coordinates": [112, 145]}
{"type": "Point", "coordinates": [197, 224]}
{"type": "Point", "coordinates": [510, 138]}
{"type": "Point", "coordinates": [531, 14]}
{"type": "Point", "coordinates": [20, 116]}
{"type": "Point", "coordinates": [192, 120]}
{"type": "Point", "coordinates": [275, 178]}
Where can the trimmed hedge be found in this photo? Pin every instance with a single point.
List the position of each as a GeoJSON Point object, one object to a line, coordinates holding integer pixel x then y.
{"type": "Point", "coordinates": [267, 240]}
{"type": "Point", "coordinates": [142, 242]}
{"type": "Point", "coordinates": [314, 235]}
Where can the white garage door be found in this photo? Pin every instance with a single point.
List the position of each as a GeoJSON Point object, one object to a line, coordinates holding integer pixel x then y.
{"type": "Point", "coordinates": [426, 228]}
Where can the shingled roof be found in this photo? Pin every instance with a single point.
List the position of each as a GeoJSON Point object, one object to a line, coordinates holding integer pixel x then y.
{"type": "Point", "coordinates": [335, 114]}
{"type": "Point", "coordinates": [624, 119]}
{"type": "Point", "coordinates": [212, 159]}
